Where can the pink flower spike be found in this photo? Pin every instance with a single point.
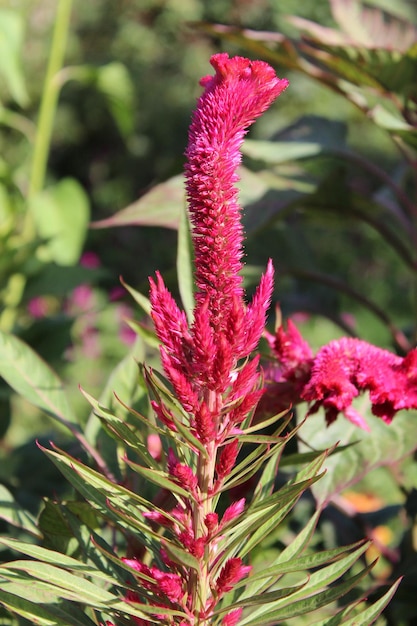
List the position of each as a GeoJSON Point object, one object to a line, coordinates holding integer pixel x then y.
{"type": "Point", "coordinates": [232, 572]}
{"type": "Point", "coordinates": [233, 511]}
{"type": "Point", "coordinates": [170, 322]}
{"type": "Point", "coordinates": [205, 424]}
{"type": "Point", "coordinates": [239, 92]}
{"type": "Point", "coordinates": [227, 459]}
{"type": "Point", "coordinates": [232, 618]}
{"type": "Point", "coordinates": [256, 312]}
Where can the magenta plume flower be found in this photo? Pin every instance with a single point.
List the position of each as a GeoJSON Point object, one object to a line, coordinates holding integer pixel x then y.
{"type": "Point", "coordinates": [200, 360]}
{"type": "Point", "coordinates": [336, 375]}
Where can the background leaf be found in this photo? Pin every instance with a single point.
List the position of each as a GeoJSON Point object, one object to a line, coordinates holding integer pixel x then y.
{"type": "Point", "coordinates": [61, 215]}
{"type": "Point", "coordinates": [383, 445]}
{"type": "Point", "coordinates": [33, 379]}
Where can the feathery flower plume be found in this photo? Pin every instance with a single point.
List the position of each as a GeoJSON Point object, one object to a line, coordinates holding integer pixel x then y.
{"type": "Point", "coordinates": [337, 374]}
{"type": "Point", "coordinates": [200, 359]}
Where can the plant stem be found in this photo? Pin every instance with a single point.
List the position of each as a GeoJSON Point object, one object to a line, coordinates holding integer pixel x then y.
{"type": "Point", "coordinates": [49, 98]}
{"type": "Point", "coordinates": [200, 586]}
{"type": "Point", "coordinates": [40, 151]}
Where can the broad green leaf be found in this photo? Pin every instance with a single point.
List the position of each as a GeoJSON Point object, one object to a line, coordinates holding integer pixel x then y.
{"type": "Point", "coordinates": [290, 554]}
{"type": "Point", "coordinates": [265, 598]}
{"type": "Point", "coordinates": [383, 445]}
{"type": "Point", "coordinates": [61, 215]}
{"type": "Point", "coordinates": [68, 585]}
{"type": "Point", "coordinates": [11, 42]}
{"type": "Point", "coordinates": [32, 378]}
{"type": "Point", "coordinates": [14, 514]}
{"type": "Point", "coordinates": [65, 585]}
{"type": "Point", "coordinates": [270, 521]}
{"type": "Point", "coordinates": [185, 265]}
{"type": "Point", "coordinates": [146, 334]}
{"type": "Point", "coordinates": [115, 83]}
{"type": "Point", "coordinates": [259, 518]}
{"type": "Point", "coordinates": [114, 502]}
{"type": "Point", "coordinates": [264, 578]}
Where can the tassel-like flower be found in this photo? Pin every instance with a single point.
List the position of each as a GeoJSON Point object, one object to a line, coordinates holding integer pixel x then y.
{"type": "Point", "coordinates": [339, 372]}
{"type": "Point", "coordinates": [201, 359]}
{"type": "Point", "coordinates": [232, 572]}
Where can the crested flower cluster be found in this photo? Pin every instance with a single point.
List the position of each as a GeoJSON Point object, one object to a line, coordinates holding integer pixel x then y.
{"type": "Point", "coordinates": [337, 374]}
{"type": "Point", "coordinates": [208, 361]}
{"type": "Point", "coordinates": [200, 360]}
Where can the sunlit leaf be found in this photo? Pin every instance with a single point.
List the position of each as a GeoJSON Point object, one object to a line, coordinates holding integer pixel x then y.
{"type": "Point", "coordinates": [382, 446]}
{"type": "Point", "coordinates": [50, 610]}
{"type": "Point", "coordinates": [365, 617]}
{"type": "Point", "coordinates": [288, 608]}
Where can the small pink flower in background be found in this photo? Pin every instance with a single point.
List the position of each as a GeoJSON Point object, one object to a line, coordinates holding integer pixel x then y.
{"type": "Point", "coordinates": [90, 260]}
{"type": "Point", "coordinates": [82, 298]}
{"type": "Point", "coordinates": [39, 307]}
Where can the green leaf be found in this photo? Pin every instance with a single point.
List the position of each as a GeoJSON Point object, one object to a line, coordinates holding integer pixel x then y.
{"type": "Point", "coordinates": [122, 382]}
{"type": "Point", "coordinates": [120, 431]}
{"type": "Point", "coordinates": [29, 376]}
{"type": "Point", "coordinates": [185, 265]}
{"type": "Point", "coordinates": [280, 151]}
{"type": "Point", "coordinates": [161, 479]}
{"type": "Point", "coordinates": [394, 124]}
{"type": "Point", "coordinates": [286, 609]}
{"type": "Point", "coordinates": [182, 557]}
{"type": "Point", "coordinates": [364, 618]}
{"type": "Point", "coordinates": [139, 298]}
{"type": "Point", "coordinates": [114, 82]}
{"type": "Point", "coordinates": [259, 519]}
{"type": "Point", "coordinates": [14, 514]}
{"type": "Point", "coordinates": [68, 585]}
{"type": "Point", "coordinates": [57, 559]}
{"type": "Point", "coordinates": [161, 206]}
{"type": "Point", "coordinates": [50, 611]}
{"type": "Point", "coordinates": [11, 43]}
{"type": "Point", "coordinates": [61, 215]}
{"type": "Point", "coordinates": [383, 445]}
